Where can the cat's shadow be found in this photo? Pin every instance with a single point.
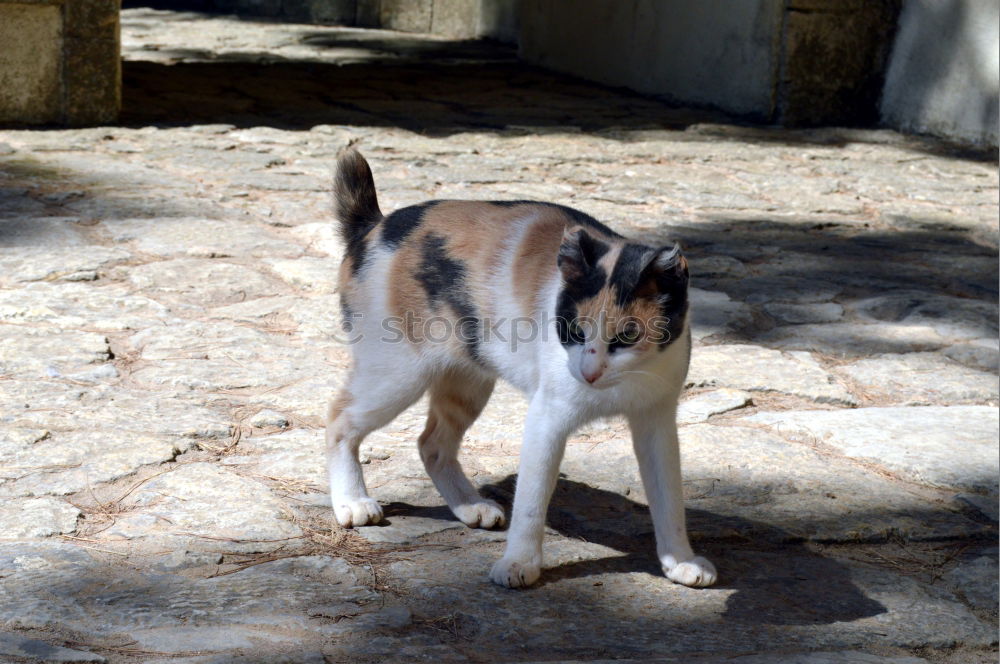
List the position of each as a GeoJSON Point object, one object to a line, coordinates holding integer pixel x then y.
{"type": "Point", "coordinates": [776, 580]}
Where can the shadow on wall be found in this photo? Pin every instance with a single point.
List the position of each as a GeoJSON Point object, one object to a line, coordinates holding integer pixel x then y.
{"type": "Point", "coordinates": [427, 97]}
{"type": "Point", "coordinates": [436, 87]}
{"type": "Point", "coordinates": [943, 73]}
{"type": "Point", "coordinates": [174, 5]}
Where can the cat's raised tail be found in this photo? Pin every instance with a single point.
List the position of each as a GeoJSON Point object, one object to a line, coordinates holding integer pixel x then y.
{"type": "Point", "coordinates": [354, 199]}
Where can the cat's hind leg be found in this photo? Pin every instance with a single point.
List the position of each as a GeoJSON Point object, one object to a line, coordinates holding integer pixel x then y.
{"type": "Point", "coordinates": [456, 399]}
{"type": "Point", "coordinates": [368, 402]}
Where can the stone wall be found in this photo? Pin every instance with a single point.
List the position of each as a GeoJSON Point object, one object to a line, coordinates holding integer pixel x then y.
{"type": "Point", "coordinates": [944, 73]}
{"type": "Point", "coordinates": [794, 62]}
{"type": "Point", "coordinates": [59, 62]}
{"type": "Point", "coordinates": [789, 62]}
{"type": "Point", "coordinates": [337, 12]}
{"type": "Point", "coordinates": [672, 48]}
{"type": "Point", "coordinates": [833, 60]}
{"type": "Point", "coordinates": [460, 19]}
{"type": "Point", "coordinates": [30, 62]}
{"type": "Point", "coordinates": [463, 19]}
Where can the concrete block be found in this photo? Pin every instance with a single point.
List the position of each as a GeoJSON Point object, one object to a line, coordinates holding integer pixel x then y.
{"type": "Point", "coordinates": [334, 12]}
{"type": "Point", "coordinates": [944, 71]}
{"type": "Point", "coordinates": [328, 12]}
{"type": "Point", "coordinates": [254, 7]}
{"type": "Point", "coordinates": [91, 62]}
{"type": "Point", "coordinates": [298, 11]}
{"type": "Point", "coordinates": [406, 15]}
{"type": "Point", "coordinates": [842, 6]}
{"type": "Point", "coordinates": [94, 19]}
{"type": "Point", "coordinates": [30, 62]}
{"type": "Point", "coordinates": [60, 62]}
{"type": "Point", "coordinates": [834, 59]}
{"type": "Point", "coordinates": [367, 13]}
{"type": "Point", "coordinates": [458, 19]}
{"type": "Point", "coordinates": [588, 40]}
{"type": "Point", "coordinates": [498, 19]}
{"type": "Point", "coordinates": [711, 53]}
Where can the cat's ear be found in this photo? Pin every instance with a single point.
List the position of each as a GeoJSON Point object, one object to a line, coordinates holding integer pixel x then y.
{"type": "Point", "coordinates": [579, 252]}
{"type": "Point", "coordinates": [666, 272]}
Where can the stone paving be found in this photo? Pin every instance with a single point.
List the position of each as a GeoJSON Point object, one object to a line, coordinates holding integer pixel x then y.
{"type": "Point", "coordinates": [169, 339]}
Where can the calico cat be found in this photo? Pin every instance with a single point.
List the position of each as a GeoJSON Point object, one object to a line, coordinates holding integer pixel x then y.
{"type": "Point", "coordinates": [446, 296]}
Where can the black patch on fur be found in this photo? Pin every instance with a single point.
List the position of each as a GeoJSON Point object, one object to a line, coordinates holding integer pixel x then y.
{"type": "Point", "coordinates": [625, 275]}
{"type": "Point", "coordinates": [575, 291]}
{"type": "Point", "coordinates": [398, 225]}
{"type": "Point", "coordinates": [582, 279]}
{"type": "Point", "coordinates": [578, 253]}
{"type": "Point", "coordinates": [592, 248]}
{"type": "Point", "coordinates": [356, 251]}
{"type": "Point", "coordinates": [578, 217]}
{"type": "Point", "coordinates": [443, 279]}
{"type": "Point", "coordinates": [636, 267]}
{"type": "Point", "coordinates": [674, 309]}
{"type": "Point", "coordinates": [346, 315]}
{"type": "Point", "coordinates": [355, 204]}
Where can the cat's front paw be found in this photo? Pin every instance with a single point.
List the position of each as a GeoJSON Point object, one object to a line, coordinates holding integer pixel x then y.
{"type": "Point", "coordinates": [354, 512]}
{"type": "Point", "coordinates": [482, 514]}
{"type": "Point", "coordinates": [514, 573]}
{"type": "Point", "coordinates": [696, 573]}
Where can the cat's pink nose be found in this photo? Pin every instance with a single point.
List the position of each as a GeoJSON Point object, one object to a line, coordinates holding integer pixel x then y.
{"type": "Point", "coordinates": [591, 377]}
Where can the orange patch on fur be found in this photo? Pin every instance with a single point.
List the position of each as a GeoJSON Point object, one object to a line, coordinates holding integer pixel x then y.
{"type": "Point", "coordinates": [407, 299]}
{"type": "Point", "coordinates": [642, 311]}
{"type": "Point", "coordinates": [337, 405]}
{"type": "Point", "coordinates": [535, 261]}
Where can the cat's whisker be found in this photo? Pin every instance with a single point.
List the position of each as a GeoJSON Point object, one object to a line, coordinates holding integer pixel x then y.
{"type": "Point", "coordinates": [647, 373]}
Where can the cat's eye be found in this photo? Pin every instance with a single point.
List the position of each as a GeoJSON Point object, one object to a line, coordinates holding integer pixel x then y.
{"type": "Point", "coordinates": [627, 337]}
{"type": "Point", "coordinates": [576, 333]}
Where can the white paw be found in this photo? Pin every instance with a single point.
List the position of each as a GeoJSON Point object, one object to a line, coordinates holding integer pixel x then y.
{"type": "Point", "coordinates": [483, 514]}
{"type": "Point", "coordinates": [354, 512]}
{"type": "Point", "coordinates": [697, 573]}
{"type": "Point", "coordinates": [514, 574]}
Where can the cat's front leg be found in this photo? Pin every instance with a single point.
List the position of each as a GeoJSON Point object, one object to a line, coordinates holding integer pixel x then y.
{"type": "Point", "coordinates": [546, 429]}
{"type": "Point", "coordinates": [654, 437]}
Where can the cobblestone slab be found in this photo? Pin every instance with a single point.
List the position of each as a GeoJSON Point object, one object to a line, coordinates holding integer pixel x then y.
{"type": "Point", "coordinates": [919, 379]}
{"type": "Point", "coordinates": [955, 448]}
{"type": "Point", "coordinates": [747, 367]}
{"type": "Point", "coordinates": [854, 657]}
{"type": "Point", "coordinates": [37, 517]}
{"type": "Point", "coordinates": [15, 645]}
{"type": "Point", "coordinates": [745, 482]}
